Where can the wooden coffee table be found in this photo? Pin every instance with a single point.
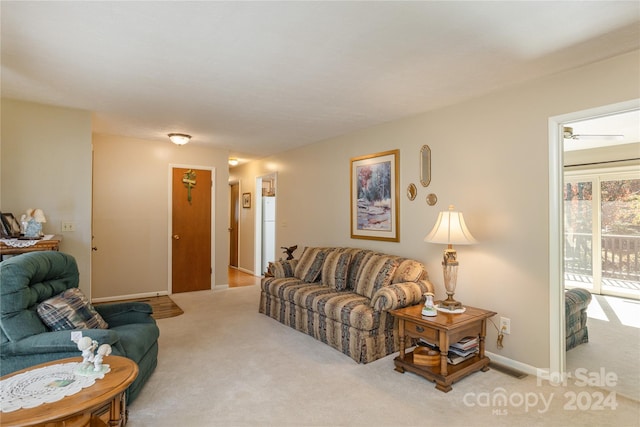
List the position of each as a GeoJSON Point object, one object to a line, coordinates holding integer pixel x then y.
{"type": "Point", "coordinates": [102, 404]}
{"type": "Point", "coordinates": [443, 330]}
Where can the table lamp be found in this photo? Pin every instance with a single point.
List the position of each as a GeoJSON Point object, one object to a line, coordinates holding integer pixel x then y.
{"type": "Point", "coordinates": [450, 229]}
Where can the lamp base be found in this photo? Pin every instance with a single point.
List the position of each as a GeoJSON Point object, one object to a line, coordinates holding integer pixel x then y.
{"type": "Point", "coordinates": [450, 304]}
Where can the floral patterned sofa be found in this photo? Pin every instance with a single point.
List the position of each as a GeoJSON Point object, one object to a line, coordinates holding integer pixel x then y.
{"type": "Point", "coordinates": [341, 296]}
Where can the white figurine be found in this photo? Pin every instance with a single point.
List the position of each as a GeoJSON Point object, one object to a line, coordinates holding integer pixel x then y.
{"type": "Point", "coordinates": [429, 309]}
{"type": "Point", "coordinates": [87, 346]}
{"type": "Point", "coordinates": [103, 350]}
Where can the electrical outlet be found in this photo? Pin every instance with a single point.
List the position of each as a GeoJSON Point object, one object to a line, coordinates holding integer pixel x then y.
{"type": "Point", "coordinates": [505, 325]}
{"type": "Point", "coordinates": [68, 226]}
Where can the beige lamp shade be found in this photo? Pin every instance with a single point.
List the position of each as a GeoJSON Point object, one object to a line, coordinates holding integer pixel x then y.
{"type": "Point", "coordinates": [450, 229]}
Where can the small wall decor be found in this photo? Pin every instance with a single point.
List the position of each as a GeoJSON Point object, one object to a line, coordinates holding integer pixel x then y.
{"type": "Point", "coordinates": [189, 180]}
{"type": "Point", "coordinates": [374, 196]}
{"type": "Point", "coordinates": [432, 199]}
{"type": "Point", "coordinates": [246, 200]}
{"type": "Point", "coordinates": [412, 191]}
{"type": "Point", "coordinates": [425, 165]}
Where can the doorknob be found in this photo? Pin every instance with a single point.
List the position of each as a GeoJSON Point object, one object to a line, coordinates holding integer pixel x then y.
{"type": "Point", "coordinates": [176, 237]}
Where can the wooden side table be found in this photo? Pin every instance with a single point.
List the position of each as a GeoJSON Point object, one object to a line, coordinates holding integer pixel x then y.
{"type": "Point", "coordinates": [102, 404]}
{"type": "Point", "coordinates": [443, 330]}
{"type": "Point", "coordinates": [51, 244]}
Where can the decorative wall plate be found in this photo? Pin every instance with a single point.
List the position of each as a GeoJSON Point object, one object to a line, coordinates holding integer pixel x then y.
{"type": "Point", "coordinates": [412, 191]}
{"type": "Point", "coordinates": [432, 199]}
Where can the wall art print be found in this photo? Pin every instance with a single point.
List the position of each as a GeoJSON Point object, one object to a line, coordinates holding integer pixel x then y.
{"type": "Point", "coordinates": [374, 196]}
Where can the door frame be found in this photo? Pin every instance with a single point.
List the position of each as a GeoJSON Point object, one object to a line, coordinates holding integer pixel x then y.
{"type": "Point", "coordinates": [257, 249]}
{"type": "Point", "coordinates": [557, 353]}
{"type": "Point", "coordinates": [170, 219]}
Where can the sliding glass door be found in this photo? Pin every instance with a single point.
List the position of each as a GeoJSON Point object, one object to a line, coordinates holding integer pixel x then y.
{"type": "Point", "coordinates": [602, 232]}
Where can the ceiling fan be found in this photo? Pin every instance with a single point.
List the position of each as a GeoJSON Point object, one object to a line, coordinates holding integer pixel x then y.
{"type": "Point", "coordinates": [568, 134]}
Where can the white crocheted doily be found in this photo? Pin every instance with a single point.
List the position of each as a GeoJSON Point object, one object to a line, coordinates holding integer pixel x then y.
{"type": "Point", "coordinates": [46, 385]}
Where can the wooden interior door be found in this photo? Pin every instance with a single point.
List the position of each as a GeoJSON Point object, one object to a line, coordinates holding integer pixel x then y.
{"type": "Point", "coordinates": [233, 224]}
{"type": "Point", "coordinates": [191, 230]}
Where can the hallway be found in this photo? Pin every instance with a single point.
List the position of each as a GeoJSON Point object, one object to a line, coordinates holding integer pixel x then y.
{"type": "Point", "coordinates": [238, 278]}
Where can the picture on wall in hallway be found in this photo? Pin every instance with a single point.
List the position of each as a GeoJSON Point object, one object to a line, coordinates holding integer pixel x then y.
{"type": "Point", "coordinates": [374, 196]}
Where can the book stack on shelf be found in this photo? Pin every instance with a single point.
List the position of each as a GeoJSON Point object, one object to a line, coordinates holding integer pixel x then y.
{"type": "Point", "coordinates": [460, 351]}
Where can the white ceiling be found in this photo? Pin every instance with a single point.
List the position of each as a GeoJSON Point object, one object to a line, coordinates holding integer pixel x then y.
{"type": "Point", "coordinates": [262, 77]}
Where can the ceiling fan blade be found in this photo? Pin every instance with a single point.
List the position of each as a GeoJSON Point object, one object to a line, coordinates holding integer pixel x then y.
{"type": "Point", "coordinates": [568, 134]}
{"type": "Point", "coordinates": [606, 137]}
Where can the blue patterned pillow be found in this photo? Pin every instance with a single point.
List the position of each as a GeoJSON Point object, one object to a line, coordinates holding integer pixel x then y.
{"type": "Point", "coordinates": [376, 273]}
{"type": "Point", "coordinates": [310, 264]}
{"type": "Point", "coordinates": [70, 310]}
{"type": "Point", "coordinates": [334, 270]}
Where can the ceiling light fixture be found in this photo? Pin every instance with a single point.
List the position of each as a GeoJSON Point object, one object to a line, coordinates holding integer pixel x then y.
{"type": "Point", "coordinates": [233, 161]}
{"type": "Point", "coordinates": [179, 138]}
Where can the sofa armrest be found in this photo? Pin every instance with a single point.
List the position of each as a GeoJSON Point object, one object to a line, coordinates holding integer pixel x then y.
{"type": "Point", "coordinates": [125, 313]}
{"type": "Point", "coordinates": [282, 269]}
{"type": "Point", "coordinates": [57, 342]}
{"type": "Point", "coordinates": [400, 295]}
{"type": "Point", "coordinates": [575, 300]}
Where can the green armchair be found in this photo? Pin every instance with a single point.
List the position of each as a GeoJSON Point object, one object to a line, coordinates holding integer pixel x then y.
{"type": "Point", "coordinates": [28, 279]}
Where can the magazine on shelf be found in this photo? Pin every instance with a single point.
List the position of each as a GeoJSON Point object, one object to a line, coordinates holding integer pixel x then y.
{"type": "Point", "coordinates": [466, 343]}
{"type": "Point", "coordinates": [454, 359]}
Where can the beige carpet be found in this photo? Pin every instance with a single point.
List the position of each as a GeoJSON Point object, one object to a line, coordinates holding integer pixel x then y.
{"type": "Point", "coordinates": [223, 364]}
{"type": "Point", "coordinates": [614, 344]}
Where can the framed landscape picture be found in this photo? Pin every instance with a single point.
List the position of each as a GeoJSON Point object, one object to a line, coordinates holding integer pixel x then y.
{"type": "Point", "coordinates": [374, 196]}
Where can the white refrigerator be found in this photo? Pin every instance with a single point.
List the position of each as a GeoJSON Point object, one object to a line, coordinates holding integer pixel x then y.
{"type": "Point", "coordinates": [268, 231]}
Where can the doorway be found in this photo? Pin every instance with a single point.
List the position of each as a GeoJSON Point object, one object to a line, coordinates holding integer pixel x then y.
{"type": "Point", "coordinates": [265, 222]}
{"type": "Point", "coordinates": [191, 225]}
{"type": "Point", "coordinates": [234, 221]}
{"type": "Point", "coordinates": [556, 226]}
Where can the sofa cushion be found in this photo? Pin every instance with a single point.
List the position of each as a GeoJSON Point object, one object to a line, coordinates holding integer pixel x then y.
{"type": "Point", "coordinates": [359, 258]}
{"type": "Point", "coordinates": [335, 269]}
{"type": "Point", "coordinates": [70, 310]}
{"type": "Point", "coordinates": [376, 273]}
{"type": "Point", "coordinates": [283, 268]}
{"type": "Point", "coordinates": [348, 308]}
{"type": "Point", "coordinates": [310, 264]}
{"type": "Point", "coordinates": [408, 271]}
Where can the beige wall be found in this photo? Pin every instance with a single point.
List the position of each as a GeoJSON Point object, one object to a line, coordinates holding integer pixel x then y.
{"type": "Point", "coordinates": [490, 159]}
{"type": "Point", "coordinates": [46, 163]}
{"type": "Point", "coordinates": [131, 199]}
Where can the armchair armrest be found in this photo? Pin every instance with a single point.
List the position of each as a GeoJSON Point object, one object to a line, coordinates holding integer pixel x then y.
{"type": "Point", "coordinates": [400, 295]}
{"type": "Point", "coordinates": [125, 313]}
{"type": "Point", "coordinates": [281, 269]}
{"type": "Point", "coordinates": [57, 342]}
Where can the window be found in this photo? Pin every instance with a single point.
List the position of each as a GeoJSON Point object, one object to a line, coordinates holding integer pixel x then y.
{"type": "Point", "coordinates": [602, 231]}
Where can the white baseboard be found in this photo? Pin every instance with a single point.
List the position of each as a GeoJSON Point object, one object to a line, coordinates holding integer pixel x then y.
{"type": "Point", "coordinates": [131, 296]}
{"type": "Point", "coordinates": [513, 364]}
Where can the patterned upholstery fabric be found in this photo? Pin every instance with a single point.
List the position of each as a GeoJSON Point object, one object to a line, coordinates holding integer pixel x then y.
{"type": "Point", "coordinates": [334, 270]}
{"type": "Point", "coordinates": [70, 310]}
{"type": "Point", "coordinates": [576, 302]}
{"type": "Point", "coordinates": [283, 268]}
{"type": "Point", "coordinates": [310, 264]}
{"type": "Point", "coordinates": [408, 271]}
{"type": "Point", "coordinates": [354, 324]}
{"type": "Point", "coordinates": [376, 273]}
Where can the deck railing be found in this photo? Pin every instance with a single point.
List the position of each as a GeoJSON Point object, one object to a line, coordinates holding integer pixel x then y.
{"type": "Point", "coordinates": [620, 255]}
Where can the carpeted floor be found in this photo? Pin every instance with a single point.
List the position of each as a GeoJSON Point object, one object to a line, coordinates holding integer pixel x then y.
{"type": "Point", "coordinates": [614, 344]}
{"type": "Point", "coordinates": [222, 363]}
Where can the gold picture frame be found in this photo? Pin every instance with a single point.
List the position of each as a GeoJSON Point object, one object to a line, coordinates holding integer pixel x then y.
{"type": "Point", "coordinates": [374, 196]}
{"type": "Point", "coordinates": [246, 200]}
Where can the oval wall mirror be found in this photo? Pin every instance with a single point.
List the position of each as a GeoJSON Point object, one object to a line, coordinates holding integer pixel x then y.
{"type": "Point", "coordinates": [412, 191]}
{"type": "Point", "coordinates": [425, 165]}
